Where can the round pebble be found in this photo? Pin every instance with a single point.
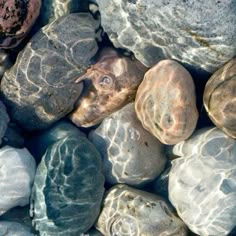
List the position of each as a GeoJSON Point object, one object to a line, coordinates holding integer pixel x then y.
{"type": "Point", "coordinates": [128, 211]}
{"type": "Point", "coordinates": [68, 188]}
{"type": "Point", "coordinates": [17, 175]}
{"type": "Point", "coordinates": [166, 103]}
{"type": "Point", "coordinates": [202, 182]}
{"type": "Point", "coordinates": [220, 98]}
{"type": "Point", "coordinates": [130, 154]}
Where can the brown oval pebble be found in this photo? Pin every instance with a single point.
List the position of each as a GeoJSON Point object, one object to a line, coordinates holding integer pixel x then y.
{"type": "Point", "coordinates": [220, 98]}
{"type": "Point", "coordinates": [165, 102]}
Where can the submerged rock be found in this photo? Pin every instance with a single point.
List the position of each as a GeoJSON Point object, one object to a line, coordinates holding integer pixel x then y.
{"type": "Point", "coordinates": [128, 211]}
{"type": "Point", "coordinates": [9, 228]}
{"type": "Point", "coordinates": [41, 87]}
{"type": "Point", "coordinates": [220, 98]}
{"type": "Point", "coordinates": [165, 102]}
{"type": "Point", "coordinates": [17, 174]}
{"type": "Point", "coordinates": [4, 120]}
{"type": "Point", "coordinates": [16, 19]}
{"type": "Point", "coordinates": [200, 33]}
{"type": "Point", "coordinates": [202, 182]}
{"type": "Point", "coordinates": [110, 84]}
{"type": "Point", "coordinates": [54, 9]}
{"type": "Point", "coordinates": [68, 188]}
{"type": "Point", "coordinates": [130, 154]}
{"type": "Point", "coordinates": [5, 62]}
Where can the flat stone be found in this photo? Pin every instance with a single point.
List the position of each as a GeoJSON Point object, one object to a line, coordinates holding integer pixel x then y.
{"type": "Point", "coordinates": [16, 19]}
{"type": "Point", "coordinates": [17, 175]}
{"type": "Point", "coordinates": [110, 84]}
{"type": "Point", "coordinates": [130, 153]}
{"type": "Point", "coordinates": [202, 182]}
{"type": "Point", "coordinates": [165, 102]}
{"type": "Point", "coordinates": [41, 87]}
{"type": "Point", "coordinates": [68, 188]}
{"type": "Point", "coordinates": [199, 33]}
{"type": "Point", "coordinates": [128, 211]}
{"type": "Point", "coordinates": [220, 98]}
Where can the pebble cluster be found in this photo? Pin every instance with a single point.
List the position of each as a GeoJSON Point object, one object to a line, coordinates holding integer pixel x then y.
{"type": "Point", "coordinates": [117, 118]}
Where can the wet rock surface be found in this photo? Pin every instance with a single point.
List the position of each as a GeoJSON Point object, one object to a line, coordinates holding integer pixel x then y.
{"type": "Point", "coordinates": [68, 188]}
{"type": "Point", "coordinates": [16, 19]}
{"type": "Point", "coordinates": [202, 182]}
{"type": "Point", "coordinates": [220, 98]}
{"type": "Point", "coordinates": [41, 87]}
{"type": "Point", "coordinates": [165, 102]}
{"type": "Point", "coordinates": [128, 211]}
{"type": "Point", "coordinates": [110, 84]}
{"type": "Point", "coordinates": [4, 120]}
{"type": "Point", "coordinates": [130, 154]}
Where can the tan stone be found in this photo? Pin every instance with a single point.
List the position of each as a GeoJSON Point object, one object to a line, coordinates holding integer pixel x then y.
{"type": "Point", "coordinates": [166, 104]}
{"type": "Point", "coordinates": [220, 98]}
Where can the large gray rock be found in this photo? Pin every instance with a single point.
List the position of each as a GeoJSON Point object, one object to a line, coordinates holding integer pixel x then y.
{"type": "Point", "coordinates": [9, 228]}
{"type": "Point", "coordinates": [200, 33]}
{"type": "Point", "coordinates": [41, 87]}
{"type": "Point", "coordinates": [68, 188]}
{"type": "Point", "coordinates": [202, 182]}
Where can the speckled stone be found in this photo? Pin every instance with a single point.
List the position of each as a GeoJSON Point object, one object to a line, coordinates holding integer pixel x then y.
{"type": "Point", "coordinates": [54, 9]}
{"type": "Point", "coordinates": [68, 188]}
{"type": "Point", "coordinates": [4, 120]}
{"type": "Point", "coordinates": [9, 228]}
{"type": "Point", "coordinates": [200, 33]}
{"type": "Point", "coordinates": [130, 153]}
{"type": "Point", "coordinates": [41, 87]}
{"type": "Point", "coordinates": [202, 182]}
{"type": "Point", "coordinates": [128, 211]}
{"type": "Point", "coordinates": [17, 175]}
{"type": "Point", "coordinates": [165, 102]}
{"type": "Point", "coordinates": [220, 98]}
{"type": "Point", "coordinates": [16, 19]}
{"type": "Point", "coordinates": [110, 84]}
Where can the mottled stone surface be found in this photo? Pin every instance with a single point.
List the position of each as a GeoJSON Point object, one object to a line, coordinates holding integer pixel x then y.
{"type": "Point", "coordinates": [17, 170]}
{"type": "Point", "coordinates": [54, 9]}
{"type": "Point", "coordinates": [68, 188]}
{"type": "Point", "coordinates": [110, 84]}
{"type": "Point", "coordinates": [16, 19]}
{"type": "Point", "coordinates": [202, 182]}
{"type": "Point", "coordinates": [128, 211]}
{"type": "Point", "coordinates": [41, 87]}
{"type": "Point", "coordinates": [9, 228]}
{"type": "Point", "coordinates": [200, 33]}
{"type": "Point", "coordinates": [165, 102]}
{"type": "Point", "coordinates": [220, 98]}
{"type": "Point", "coordinates": [130, 153]}
{"type": "Point", "coordinates": [4, 119]}
{"type": "Point", "coordinates": [5, 62]}
{"type": "Point", "coordinates": [40, 141]}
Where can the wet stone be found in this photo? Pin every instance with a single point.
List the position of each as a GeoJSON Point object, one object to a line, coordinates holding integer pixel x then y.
{"type": "Point", "coordinates": [10, 228]}
{"type": "Point", "coordinates": [220, 98]}
{"type": "Point", "coordinates": [41, 87]}
{"type": "Point", "coordinates": [16, 19]}
{"type": "Point", "coordinates": [165, 102]}
{"type": "Point", "coordinates": [202, 182]}
{"type": "Point", "coordinates": [17, 175]}
{"type": "Point", "coordinates": [68, 188]}
{"type": "Point", "coordinates": [128, 211]}
{"type": "Point", "coordinates": [110, 84]}
{"type": "Point", "coordinates": [199, 33]}
{"type": "Point", "coordinates": [130, 153]}
{"type": "Point", "coordinates": [4, 120]}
